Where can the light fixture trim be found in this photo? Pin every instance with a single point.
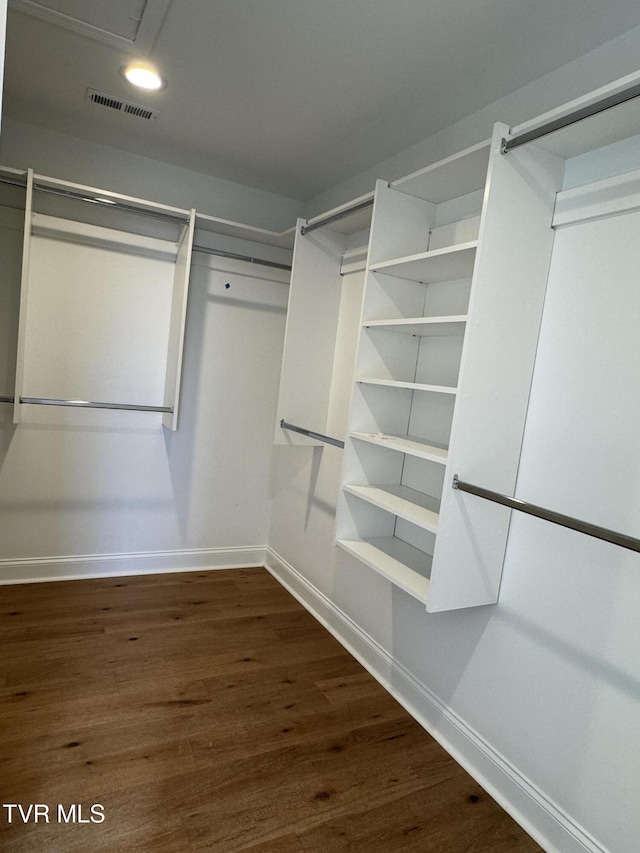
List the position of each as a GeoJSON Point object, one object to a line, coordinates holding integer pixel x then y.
{"type": "Point", "coordinates": [144, 76]}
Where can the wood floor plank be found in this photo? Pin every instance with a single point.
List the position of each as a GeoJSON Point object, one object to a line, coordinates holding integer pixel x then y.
{"type": "Point", "coordinates": [208, 711]}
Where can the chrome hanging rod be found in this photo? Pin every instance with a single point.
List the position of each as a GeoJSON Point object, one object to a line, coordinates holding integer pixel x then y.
{"type": "Point", "coordinates": [221, 253]}
{"type": "Point", "coordinates": [327, 220]}
{"type": "Point", "coordinates": [78, 196]}
{"type": "Point", "coordinates": [571, 118]}
{"type": "Point", "coordinates": [7, 399]}
{"type": "Point", "coordinates": [311, 434]}
{"type": "Point", "coordinates": [585, 527]}
{"type": "Point", "coordinates": [116, 205]}
{"type": "Point", "coordinates": [87, 404]}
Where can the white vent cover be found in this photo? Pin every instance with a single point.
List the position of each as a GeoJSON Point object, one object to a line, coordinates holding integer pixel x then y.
{"type": "Point", "coordinates": [121, 105]}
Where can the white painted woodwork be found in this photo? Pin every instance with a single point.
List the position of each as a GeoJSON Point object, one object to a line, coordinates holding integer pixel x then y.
{"type": "Point", "coordinates": [439, 326]}
{"type": "Point", "coordinates": [412, 445]}
{"type": "Point", "coordinates": [325, 298]}
{"type": "Point", "coordinates": [102, 312]}
{"type": "Point", "coordinates": [439, 265]}
{"type": "Point", "coordinates": [177, 323]}
{"type": "Point", "coordinates": [606, 197]}
{"type": "Point", "coordinates": [310, 338]}
{"type": "Point", "coordinates": [496, 369]}
{"type": "Point", "coordinates": [449, 178]}
{"type": "Point", "coordinates": [402, 564]}
{"type": "Point", "coordinates": [401, 501]}
{"type": "Point", "coordinates": [414, 318]}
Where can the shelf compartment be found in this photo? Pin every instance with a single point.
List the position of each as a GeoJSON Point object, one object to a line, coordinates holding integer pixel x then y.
{"type": "Point", "coordinates": [414, 386]}
{"type": "Point", "coordinates": [401, 501]}
{"type": "Point", "coordinates": [409, 444]}
{"type": "Point", "coordinates": [448, 264]}
{"type": "Point", "coordinates": [422, 326]}
{"type": "Point", "coordinates": [402, 564]}
{"type": "Point", "coordinates": [454, 176]}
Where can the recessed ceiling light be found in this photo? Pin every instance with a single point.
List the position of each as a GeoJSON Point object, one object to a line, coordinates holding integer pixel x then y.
{"type": "Point", "coordinates": [144, 76]}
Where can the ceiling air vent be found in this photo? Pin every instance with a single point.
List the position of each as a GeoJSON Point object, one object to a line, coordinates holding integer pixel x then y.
{"type": "Point", "coordinates": [120, 105]}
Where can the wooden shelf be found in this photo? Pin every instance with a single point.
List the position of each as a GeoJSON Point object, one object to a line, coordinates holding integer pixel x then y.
{"type": "Point", "coordinates": [448, 264]}
{"type": "Point", "coordinates": [457, 175]}
{"type": "Point", "coordinates": [414, 386]}
{"type": "Point", "coordinates": [422, 326]}
{"type": "Point", "coordinates": [413, 506]}
{"type": "Point", "coordinates": [403, 565]}
{"type": "Point", "coordinates": [412, 445]}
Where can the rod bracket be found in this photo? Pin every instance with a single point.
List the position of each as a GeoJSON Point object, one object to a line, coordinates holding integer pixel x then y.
{"type": "Point", "coordinates": [454, 484]}
{"type": "Point", "coordinates": [503, 146]}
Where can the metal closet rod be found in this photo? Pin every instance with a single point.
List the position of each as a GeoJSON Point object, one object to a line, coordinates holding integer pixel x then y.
{"type": "Point", "coordinates": [311, 434]}
{"type": "Point", "coordinates": [234, 256]}
{"type": "Point", "coordinates": [621, 539]}
{"type": "Point", "coordinates": [571, 118]}
{"type": "Point", "coordinates": [327, 220]}
{"type": "Point", "coordinates": [88, 404]}
{"type": "Point", "coordinates": [119, 205]}
{"type": "Point", "coordinates": [165, 217]}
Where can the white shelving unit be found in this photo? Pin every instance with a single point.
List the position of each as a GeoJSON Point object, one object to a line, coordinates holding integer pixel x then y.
{"type": "Point", "coordinates": [103, 301]}
{"type": "Point", "coordinates": [445, 356]}
{"type": "Point", "coordinates": [424, 241]}
{"type": "Point", "coordinates": [311, 364]}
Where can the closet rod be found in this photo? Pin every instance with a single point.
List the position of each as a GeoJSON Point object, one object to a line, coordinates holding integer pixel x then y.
{"type": "Point", "coordinates": [320, 223]}
{"type": "Point", "coordinates": [206, 251]}
{"type": "Point", "coordinates": [117, 205]}
{"type": "Point", "coordinates": [585, 527]}
{"type": "Point", "coordinates": [318, 435]}
{"type": "Point", "coordinates": [571, 118]}
{"type": "Point", "coordinates": [6, 399]}
{"type": "Point", "coordinates": [87, 404]}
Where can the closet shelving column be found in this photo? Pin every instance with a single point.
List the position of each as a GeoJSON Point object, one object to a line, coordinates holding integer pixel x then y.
{"type": "Point", "coordinates": [422, 252]}
{"type": "Point", "coordinates": [312, 376]}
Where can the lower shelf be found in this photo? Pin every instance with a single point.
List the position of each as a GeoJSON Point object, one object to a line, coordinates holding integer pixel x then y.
{"type": "Point", "coordinates": [416, 507]}
{"type": "Point", "coordinates": [402, 564]}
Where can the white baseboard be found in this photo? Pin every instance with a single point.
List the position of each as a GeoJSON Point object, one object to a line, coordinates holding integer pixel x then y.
{"type": "Point", "coordinates": [116, 565]}
{"type": "Point", "coordinates": [549, 825]}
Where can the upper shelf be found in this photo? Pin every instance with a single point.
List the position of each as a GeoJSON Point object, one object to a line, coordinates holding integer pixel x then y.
{"type": "Point", "coordinates": [452, 177]}
{"type": "Point", "coordinates": [604, 128]}
{"type": "Point", "coordinates": [448, 264]}
{"type": "Point", "coordinates": [422, 326]}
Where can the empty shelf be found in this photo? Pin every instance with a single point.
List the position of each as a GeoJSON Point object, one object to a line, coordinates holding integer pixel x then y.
{"type": "Point", "coordinates": [416, 507]}
{"type": "Point", "coordinates": [410, 444]}
{"type": "Point", "coordinates": [414, 386]}
{"type": "Point", "coordinates": [450, 325]}
{"type": "Point", "coordinates": [448, 264]}
{"type": "Point", "coordinates": [402, 564]}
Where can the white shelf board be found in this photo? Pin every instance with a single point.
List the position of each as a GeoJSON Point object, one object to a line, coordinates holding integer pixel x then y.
{"type": "Point", "coordinates": [413, 386]}
{"type": "Point", "coordinates": [402, 564]}
{"type": "Point", "coordinates": [229, 228]}
{"type": "Point", "coordinates": [409, 444]}
{"type": "Point", "coordinates": [422, 326]}
{"type": "Point", "coordinates": [416, 507]}
{"type": "Point", "coordinates": [351, 222]}
{"type": "Point", "coordinates": [588, 134]}
{"type": "Point", "coordinates": [448, 264]}
{"type": "Point", "coordinates": [450, 178]}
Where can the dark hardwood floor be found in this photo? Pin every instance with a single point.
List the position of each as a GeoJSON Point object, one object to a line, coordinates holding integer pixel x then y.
{"type": "Point", "coordinates": [210, 711]}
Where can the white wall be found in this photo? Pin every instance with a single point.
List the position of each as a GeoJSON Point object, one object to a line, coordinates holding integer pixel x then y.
{"type": "Point", "coordinates": [612, 60]}
{"type": "Point", "coordinates": [48, 152]}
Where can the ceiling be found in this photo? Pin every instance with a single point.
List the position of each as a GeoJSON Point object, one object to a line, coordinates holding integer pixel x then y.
{"type": "Point", "coordinates": [291, 96]}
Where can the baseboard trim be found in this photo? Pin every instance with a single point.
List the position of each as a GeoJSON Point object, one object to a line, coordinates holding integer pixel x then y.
{"type": "Point", "coordinates": [138, 563]}
{"type": "Point", "coordinates": [551, 827]}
